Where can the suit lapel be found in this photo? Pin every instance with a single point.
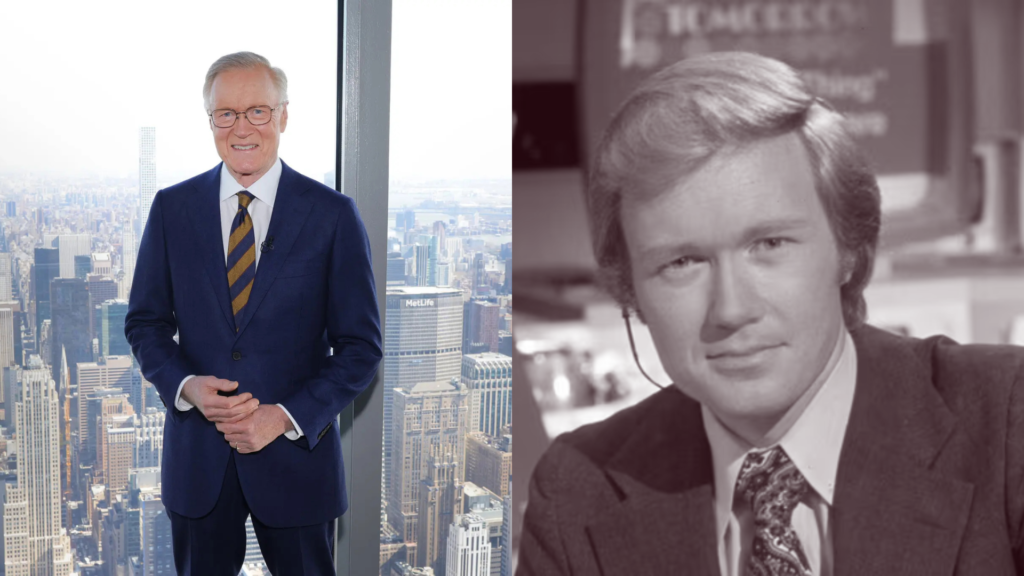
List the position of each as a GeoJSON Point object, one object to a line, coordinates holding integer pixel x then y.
{"type": "Point", "coordinates": [892, 513]}
{"type": "Point", "coordinates": [665, 520]}
{"type": "Point", "coordinates": [204, 218]}
{"type": "Point", "coordinates": [291, 208]}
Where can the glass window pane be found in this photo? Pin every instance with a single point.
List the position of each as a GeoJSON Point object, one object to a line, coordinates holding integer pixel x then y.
{"type": "Point", "coordinates": [447, 419]}
{"type": "Point", "coordinates": [102, 108]}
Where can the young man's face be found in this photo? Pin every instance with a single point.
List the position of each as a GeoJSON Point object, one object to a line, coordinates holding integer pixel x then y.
{"type": "Point", "coordinates": [737, 274]}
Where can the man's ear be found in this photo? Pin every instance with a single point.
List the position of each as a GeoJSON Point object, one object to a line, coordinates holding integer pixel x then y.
{"type": "Point", "coordinates": [284, 116]}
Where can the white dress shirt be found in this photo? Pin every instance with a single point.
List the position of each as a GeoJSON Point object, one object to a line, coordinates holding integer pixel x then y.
{"type": "Point", "coordinates": [260, 209]}
{"type": "Point", "coordinates": [813, 443]}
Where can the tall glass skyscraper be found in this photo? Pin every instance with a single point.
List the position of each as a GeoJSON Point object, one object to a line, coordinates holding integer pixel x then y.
{"type": "Point", "coordinates": [147, 177]}
{"type": "Point", "coordinates": [47, 267]}
{"type": "Point", "coordinates": [70, 325]}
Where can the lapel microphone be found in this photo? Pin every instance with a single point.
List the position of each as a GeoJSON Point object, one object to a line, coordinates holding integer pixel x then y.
{"type": "Point", "coordinates": [267, 245]}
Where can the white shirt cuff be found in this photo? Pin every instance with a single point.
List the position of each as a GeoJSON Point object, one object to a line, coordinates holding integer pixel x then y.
{"type": "Point", "coordinates": [179, 402]}
{"type": "Point", "coordinates": [292, 434]}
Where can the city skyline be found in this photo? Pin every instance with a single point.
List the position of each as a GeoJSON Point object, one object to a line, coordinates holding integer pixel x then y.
{"type": "Point", "coordinates": [72, 223]}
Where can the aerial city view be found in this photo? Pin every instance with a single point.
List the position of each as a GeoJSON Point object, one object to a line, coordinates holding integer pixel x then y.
{"type": "Point", "coordinates": [81, 431]}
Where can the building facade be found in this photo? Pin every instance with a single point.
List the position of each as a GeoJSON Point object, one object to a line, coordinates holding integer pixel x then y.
{"type": "Point", "coordinates": [34, 541]}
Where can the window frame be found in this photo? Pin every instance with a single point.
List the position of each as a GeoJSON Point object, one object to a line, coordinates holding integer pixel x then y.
{"type": "Point", "coordinates": [361, 172]}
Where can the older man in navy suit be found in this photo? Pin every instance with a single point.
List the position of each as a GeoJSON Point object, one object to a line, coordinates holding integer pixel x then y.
{"type": "Point", "coordinates": [265, 276]}
{"type": "Point", "coordinates": [733, 213]}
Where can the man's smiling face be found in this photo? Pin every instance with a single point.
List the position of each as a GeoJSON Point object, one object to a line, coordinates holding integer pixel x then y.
{"type": "Point", "coordinates": [248, 151]}
{"type": "Point", "coordinates": [738, 276]}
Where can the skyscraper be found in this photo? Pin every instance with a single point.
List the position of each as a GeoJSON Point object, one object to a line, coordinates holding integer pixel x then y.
{"type": "Point", "coordinates": [12, 391]}
{"type": "Point", "coordinates": [439, 503]}
{"type": "Point", "coordinates": [128, 253]}
{"type": "Point", "coordinates": [147, 177]}
{"type": "Point", "coordinates": [83, 266]}
{"type": "Point", "coordinates": [7, 334]}
{"type": "Point", "coordinates": [396, 269]}
{"type": "Point", "coordinates": [433, 257]}
{"type": "Point", "coordinates": [469, 552]}
{"type": "Point", "coordinates": [70, 323]}
{"type": "Point", "coordinates": [149, 438]}
{"type": "Point", "coordinates": [444, 274]}
{"type": "Point", "coordinates": [46, 268]}
{"type": "Point", "coordinates": [482, 327]}
{"type": "Point", "coordinates": [157, 556]}
{"type": "Point", "coordinates": [69, 246]}
{"type": "Point", "coordinates": [100, 289]}
{"type": "Point", "coordinates": [489, 378]}
{"type": "Point", "coordinates": [35, 542]}
{"type": "Point", "coordinates": [253, 553]}
{"type": "Point", "coordinates": [429, 426]}
{"type": "Point", "coordinates": [489, 462]}
{"type": "Point", "coordinates": [111, 330]}
{"type": "Point", "coordinates": [6, 285]}
{"type": "Point", "coordinates": [506, 534]}
{"type": "Point", "coordinates": [439, 230]}
{"type": "Point", "coordinates": [108, 372]}
{"type": "Point", "coordinates": [486, 505]}
{"type": "Point", "coordinates": [422, 265]}
{"type": "Point", "coordinates": [422, 343]}
{"type": "Point", "coordinates": [100, 263]}
{"type": "Point", "coordinates": [112, 412]}
{"type": "Point", "coordinates": [479, 272]}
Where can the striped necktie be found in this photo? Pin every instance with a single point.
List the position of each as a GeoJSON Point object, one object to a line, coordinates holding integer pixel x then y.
{"type": "Point", "coordinates": [772, 485]}
{"type": "Point", "coordinates": [241, 257]}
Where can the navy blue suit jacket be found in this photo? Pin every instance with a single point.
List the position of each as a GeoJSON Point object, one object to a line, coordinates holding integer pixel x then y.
{"type": "Point", "coordinates": [313, 292]}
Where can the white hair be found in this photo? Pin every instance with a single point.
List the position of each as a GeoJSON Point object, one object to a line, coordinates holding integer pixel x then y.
{"type": "Point", "coordinates": [246, 61]}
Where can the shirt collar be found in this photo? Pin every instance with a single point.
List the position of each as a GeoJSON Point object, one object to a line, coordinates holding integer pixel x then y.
{"type": "Point", "coordinates": [265, 188]}
{"type": "Point", "coordinates": [813, 443]}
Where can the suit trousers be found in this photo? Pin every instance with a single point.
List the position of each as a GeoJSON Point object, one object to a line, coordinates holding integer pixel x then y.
{"type": "Point", "coordinates": [215, 544]}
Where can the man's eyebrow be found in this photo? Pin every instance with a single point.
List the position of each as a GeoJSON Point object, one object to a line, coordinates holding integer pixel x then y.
{"type": "Point", "coordinates": [659, 253]}
{"type": "Point", "coordinates": [773, 227]}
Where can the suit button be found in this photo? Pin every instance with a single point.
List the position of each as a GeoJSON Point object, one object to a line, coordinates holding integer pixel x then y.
{"type": "Point", "coordinates": [236, 355]}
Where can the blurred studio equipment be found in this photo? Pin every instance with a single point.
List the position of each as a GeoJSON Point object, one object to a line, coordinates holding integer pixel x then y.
{"type": "Point", "coordinates": [932, 90]}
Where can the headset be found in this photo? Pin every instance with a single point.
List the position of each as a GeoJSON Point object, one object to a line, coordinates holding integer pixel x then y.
{"type": "Point", "coordinates": [632, 346]}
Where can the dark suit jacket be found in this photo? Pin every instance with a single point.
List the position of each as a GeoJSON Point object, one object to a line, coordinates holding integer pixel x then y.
{"type": "Point", "coordinates": [313, 292]}
{"type": "Point", "coordinates": [930, 478]}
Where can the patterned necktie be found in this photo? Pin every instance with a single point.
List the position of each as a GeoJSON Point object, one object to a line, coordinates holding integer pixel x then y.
{"type": "Point", "coordinates": [772, 485]}
{"type": "Point", "coordinates": [241, 257]}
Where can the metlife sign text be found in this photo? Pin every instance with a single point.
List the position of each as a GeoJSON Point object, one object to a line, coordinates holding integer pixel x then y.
{"type": "Point", "coordinates": [419, 303]}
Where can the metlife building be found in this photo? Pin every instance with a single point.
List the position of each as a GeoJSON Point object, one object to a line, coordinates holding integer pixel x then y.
{"type": "Point", "coordinates": [422, 342]}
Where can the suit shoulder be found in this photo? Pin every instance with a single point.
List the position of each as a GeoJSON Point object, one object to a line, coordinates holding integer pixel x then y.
{"type": "Point", "coordinates": [970, 366]}
{"type": "Point", "coordinates": [600, 441]}
{"type": "Point", "coordinates": [975, 380]}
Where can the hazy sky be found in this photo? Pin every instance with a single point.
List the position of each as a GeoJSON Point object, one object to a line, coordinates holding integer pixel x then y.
{"type": "Point", "coordinates": [78, 79]}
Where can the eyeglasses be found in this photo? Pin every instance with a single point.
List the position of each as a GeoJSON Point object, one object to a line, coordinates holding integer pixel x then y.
{"type": "Point", "coordinates": [256, 115]}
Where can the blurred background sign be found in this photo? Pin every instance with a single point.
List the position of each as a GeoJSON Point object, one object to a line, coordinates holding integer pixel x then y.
{"type": "Point", "coordinates": [897, 69]}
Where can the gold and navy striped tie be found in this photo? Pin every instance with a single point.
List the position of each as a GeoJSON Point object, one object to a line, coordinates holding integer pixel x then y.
{"type": "Point", "coordinates": [241, 257]}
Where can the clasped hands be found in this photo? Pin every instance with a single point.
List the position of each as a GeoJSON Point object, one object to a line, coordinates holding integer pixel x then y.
{"type": "Point", "coordinates": [246, 425]}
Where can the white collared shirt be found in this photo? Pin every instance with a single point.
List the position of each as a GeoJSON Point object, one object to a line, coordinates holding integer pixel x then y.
{"type": "Point", "coordinates": [264, 193]}
{"type": "Point", "coordinates": [813, 443]}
